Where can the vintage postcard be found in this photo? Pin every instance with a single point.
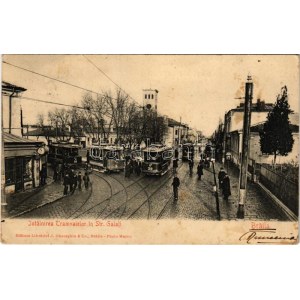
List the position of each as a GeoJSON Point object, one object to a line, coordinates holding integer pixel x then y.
{"type": "Point", "coordinates": [150, 149]}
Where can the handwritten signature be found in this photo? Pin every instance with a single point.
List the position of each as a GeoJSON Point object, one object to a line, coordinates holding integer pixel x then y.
{"type": "Point", "coordinates": [264, 236]}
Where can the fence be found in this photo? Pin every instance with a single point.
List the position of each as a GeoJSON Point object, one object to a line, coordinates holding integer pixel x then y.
{"type": "Point", "coordinates": [284, 189]}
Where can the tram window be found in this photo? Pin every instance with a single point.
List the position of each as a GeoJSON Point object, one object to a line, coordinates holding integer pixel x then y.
{"type": "Point", "coordinates": [146, 96]}
{"type": "Point", "coordinates": [152, 96]}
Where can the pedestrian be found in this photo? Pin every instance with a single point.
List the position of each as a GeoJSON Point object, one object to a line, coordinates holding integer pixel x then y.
{"type": "Point", "coordinates": [66, 183]}
{"type": "Point", "coordinates": [221, 176]}
{"type": "Point", "coordinates": [176, 153]}
{"type": "Point", "coordinates": [79, 179]}
{"type": "Point", "coordinates": [175, 165]}
{"type": "Point", "coordinates": [138, 168]}
{"type": "Point", "coordinates": [226, 187]}
{"type": "Point", "coordinates": [207, 162]}
{"type": "Point", "coordinates": [200, 170]}
{"type": "Point", "coordinates": [71, 180]}
{"type": "Point", "coordinates": [191, 166]}
{"type": "Point", "coordinates": [175, 184]}
{"type": "Point", "coordinates": [74, 185]}
{"type": "Point", "coordinates": [43, 175]}
{"type": "Point", "coordinates": [55, 173]}
{"type": "Point", "coordinates": [86, 180]}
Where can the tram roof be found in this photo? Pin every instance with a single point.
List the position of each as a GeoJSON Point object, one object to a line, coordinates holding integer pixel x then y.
{"type": "Point", "coordinates": [108, 147]}
{"type": "Point", "coordinates": [65, 145]}
{"type": "Point", "coordinates": [157, 148]}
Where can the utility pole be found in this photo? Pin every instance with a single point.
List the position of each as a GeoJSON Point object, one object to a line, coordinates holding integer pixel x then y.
{"type": "Point", "coordinates": [245, 147]}
{"type": "Point", "coordinates": [216, 192]}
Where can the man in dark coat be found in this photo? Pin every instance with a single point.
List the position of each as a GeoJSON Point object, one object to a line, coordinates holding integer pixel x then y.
{"type": "Point", "coordinates": [175, 165]}
{"type": "Point", "coordinates": [71, 180]}
{"type": "Point", "coordinates": [175, 184]}
{"type": "Point", "coordinates": [86, 180]}
{"type": "Point", "coordinates": [226, 187]}
{"type": "Point", "coordinates": [191, 165]}
{"type": "Point", "coordinates": [138, 168]}
{"type": "Point", "coordinates": [200, 170]}
{"type": "Point", "coordinates": [43, 175]}
{"type": "Point", "coordinates": [221, 176]}
{"type": "Point", "coordinates": [79, 180]}
{"type": "Point", "coordinates": [66, 183]}
{"type": "Point", "coordinates": [176, 153]}
{"type": "Point", "coordinates": [74, 185]}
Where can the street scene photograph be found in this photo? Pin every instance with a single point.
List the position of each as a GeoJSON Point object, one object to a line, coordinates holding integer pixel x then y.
{"type": "Point", "coordinates": [150, 137]}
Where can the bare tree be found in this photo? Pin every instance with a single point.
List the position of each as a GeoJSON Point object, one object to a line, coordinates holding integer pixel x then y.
{"type": "Point", "coordinates": [60, 120]}
{"type": "Point", "coordinates": [117, 108]}
{"type": "Point", "coordinates": [97, 111]}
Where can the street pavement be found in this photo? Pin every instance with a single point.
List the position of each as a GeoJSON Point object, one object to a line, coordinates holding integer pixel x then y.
{"type": "Point", "coordinates": [146, 197]}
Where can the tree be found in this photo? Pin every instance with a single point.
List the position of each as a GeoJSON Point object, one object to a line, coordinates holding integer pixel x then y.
{"type": "Point", "coordinates": [276, 136]}
{"type": "Point", "coordinates": [60, 120]}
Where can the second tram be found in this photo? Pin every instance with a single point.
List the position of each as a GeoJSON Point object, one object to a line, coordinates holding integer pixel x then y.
{"type": "Point", "coordinates": [188, 151]}
{"type": "Point", "coordinates": [109, 158]}
{"type": "Point", "coordinates": [156, 159]}
{"type": "Point", "coordinates": [64, 153]}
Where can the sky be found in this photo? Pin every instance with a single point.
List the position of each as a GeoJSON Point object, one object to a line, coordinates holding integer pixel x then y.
{"type": "Point", "coordinates": [199, 89]}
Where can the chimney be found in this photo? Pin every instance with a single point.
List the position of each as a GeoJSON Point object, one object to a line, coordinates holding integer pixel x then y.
{"type": "Point", "coordinates": [261, 105]}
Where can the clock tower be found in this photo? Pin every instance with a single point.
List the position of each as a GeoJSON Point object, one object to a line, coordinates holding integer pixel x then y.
{"type": "Point", "coordinates": [150, 99]}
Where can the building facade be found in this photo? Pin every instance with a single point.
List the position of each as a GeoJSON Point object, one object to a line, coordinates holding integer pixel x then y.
{"type": "Point", "coordinates": [22, 159]}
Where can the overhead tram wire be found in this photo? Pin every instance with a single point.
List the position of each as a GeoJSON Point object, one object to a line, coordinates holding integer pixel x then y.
{"type": "Point", "coordinates": [57, 103]}
{"type": "Point", "coordinates": [55, 79]}
{"type": "Point", "coordinates": [91, 62]}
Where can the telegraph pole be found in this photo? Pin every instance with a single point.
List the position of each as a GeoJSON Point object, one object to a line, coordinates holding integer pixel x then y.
{"type": "Point", "coordinates": [245, 147]}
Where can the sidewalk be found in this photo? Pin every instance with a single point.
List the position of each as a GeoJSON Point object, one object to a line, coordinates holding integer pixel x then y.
{"type": "Point", "coordinates": [257, 205]}
{"type": "Point", "coordinates": [22, 202]}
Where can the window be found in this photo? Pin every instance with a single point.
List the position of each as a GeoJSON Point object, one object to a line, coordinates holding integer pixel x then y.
{"type": "Point", "coordinates": [145, 96]}
{"type": "Point", "coordinates": [152, 96]}
{"type": "Point", "coordinates": [149, 96]}
{"type": "Point", "coordinates": [176, 131]}
{"type": "Point", "coordinates": [9, 171]}
{"type": "Point", "coordinates": [27, 168]}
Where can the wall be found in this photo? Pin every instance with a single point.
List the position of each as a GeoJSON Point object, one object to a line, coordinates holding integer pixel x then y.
{"type": "Point", "coordinates": [16, 115]}
{"type": "Point", "coordinates": [255, 153]}
{"type": "Point", "coordinates": [237, 119]}
{"type": "Point", "coordinates": [284, 189]}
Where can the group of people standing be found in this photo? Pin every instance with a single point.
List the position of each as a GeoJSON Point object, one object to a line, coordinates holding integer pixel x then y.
{"type": "Point", "coordinates": [73, 180]}
{"type": "Point", "coordinates": [133, 166]}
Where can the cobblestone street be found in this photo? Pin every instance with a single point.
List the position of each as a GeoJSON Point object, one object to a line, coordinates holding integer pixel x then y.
{"type": "Point", "coordinates": [146, 197]}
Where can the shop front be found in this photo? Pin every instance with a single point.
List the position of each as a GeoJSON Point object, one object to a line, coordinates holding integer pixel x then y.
{"type": "Point", "coordinates": [23, 162]}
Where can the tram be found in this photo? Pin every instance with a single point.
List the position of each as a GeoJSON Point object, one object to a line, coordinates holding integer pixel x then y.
{"type": "Point", "coordinates": [64, 153]}
{"type": "Point", "coordinates": [109, 158]}
{"type": "Point", "coordinates": [188, 151]}
{"type": "Point", "coordinates": [156, 159]}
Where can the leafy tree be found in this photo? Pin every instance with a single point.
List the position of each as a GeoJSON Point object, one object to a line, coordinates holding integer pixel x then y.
{"type": "Point", "coordinates": [276, 136]}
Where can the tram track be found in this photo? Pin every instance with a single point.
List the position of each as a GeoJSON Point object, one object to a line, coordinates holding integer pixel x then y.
{"type": "Point", "coordinates": [109, 198]}
{"type": "Point", "coordinates": [86, 201]}
{"type": "Point", "coordinates": [149, 197]}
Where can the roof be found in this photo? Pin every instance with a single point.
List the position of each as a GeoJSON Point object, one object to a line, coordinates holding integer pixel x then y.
{"type": "Point", "coordinates": [258, 106]}
{"type": "Point", "coordinates": [259, 127]}
{"type": "Point", "coordinates": [8, 87]}
{"type": "Point", "coordinates": [9, 138]}
{"type": "Point", "coordinates": [172, 123]}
